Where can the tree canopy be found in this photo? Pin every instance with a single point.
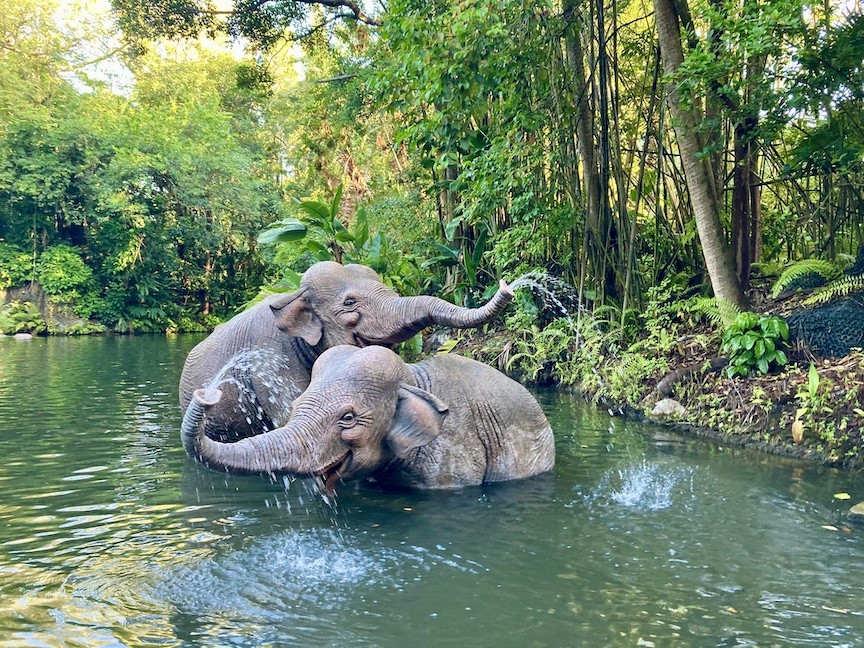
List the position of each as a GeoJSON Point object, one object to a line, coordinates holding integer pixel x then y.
{"type": "Point", "coordinates": [472, 140]}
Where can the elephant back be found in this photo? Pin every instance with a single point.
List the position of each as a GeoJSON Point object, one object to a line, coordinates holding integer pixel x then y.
{"type": "Point", "coordinates": [493, 412]}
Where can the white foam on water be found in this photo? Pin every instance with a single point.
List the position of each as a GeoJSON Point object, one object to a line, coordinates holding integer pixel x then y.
{"type": "Point", "coordinates": [645, 486]}
{"type": "Point", "coordinates": [277, 576]}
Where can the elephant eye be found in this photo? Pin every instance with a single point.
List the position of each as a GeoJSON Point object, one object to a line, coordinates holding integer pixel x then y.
{"type": "Point", "coordinates": [348, 419]}
{"type": "Point", "coordinates": [349, 301]}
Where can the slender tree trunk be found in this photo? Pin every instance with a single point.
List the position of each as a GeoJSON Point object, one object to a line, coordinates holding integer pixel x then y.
{"type": "Point", "coordinates": [585, 128]}
{"type": "Point", "coordinates": [718, 258]}
{"type": "Point", "coordinates": [741, 203]}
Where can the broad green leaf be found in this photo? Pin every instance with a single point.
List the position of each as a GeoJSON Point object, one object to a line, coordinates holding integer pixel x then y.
{"type": "Point", "coordinates": [361, 228]}
{"type": "Point", "coordinates": [318, 213]}
{"type": "Point", "coordinates": [286, 233]}
{"type": "Point", "coordinates": [316, 248]}
{"type": "Point", "coordinates": [447, 251]}
{"type": "Point", "coordinates": [812, 381]}
{"type": "Point", "coordinates": [376, 244]}
{"type": "Point", "coordinates": [759, 348]}
{"type": "Point", "coordinates": [450, 228]}
{"type": "Point", "coordinates": [337, 198]}
{"type": "Point", "coordinates": [479, 248]}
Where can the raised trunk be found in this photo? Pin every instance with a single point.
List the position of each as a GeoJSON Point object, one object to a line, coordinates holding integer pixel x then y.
{"type": "Point", "coordinates": [271, 452]}
{"type": "Point", "coordinates": [413, 314]}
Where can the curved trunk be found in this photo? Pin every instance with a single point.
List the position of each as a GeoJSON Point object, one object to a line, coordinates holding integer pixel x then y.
{"type": "Point", "coordinates": [413, 314]}
{"type": "Point", "coordinates": [271, 452]}
{"type": "Point", "coordinates": [193, 416]}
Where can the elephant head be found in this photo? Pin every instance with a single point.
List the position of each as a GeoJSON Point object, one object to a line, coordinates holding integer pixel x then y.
{"type": "Point", "coordinates": [349, 304]}
{"type": "Point", "coordinates": [361, 411]}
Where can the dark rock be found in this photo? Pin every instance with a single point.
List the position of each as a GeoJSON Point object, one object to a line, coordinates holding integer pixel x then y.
{"type": "Point", "coordinates": [830, 329]}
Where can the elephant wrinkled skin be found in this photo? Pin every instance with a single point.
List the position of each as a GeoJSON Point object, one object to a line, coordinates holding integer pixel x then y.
{"type": "Point", "coordinates": [441, 423]}
{"type": "Point", "coordinates": [334, 305]}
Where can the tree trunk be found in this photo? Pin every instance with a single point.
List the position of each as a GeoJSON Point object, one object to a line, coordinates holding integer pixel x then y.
{"type": "Point", "coordinates": [585, 134]}
{"type": "Point", "coordinates": [718, 257]}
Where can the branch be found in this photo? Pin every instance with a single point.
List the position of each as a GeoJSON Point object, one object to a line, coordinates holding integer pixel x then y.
{"type": "Point", "coordinates": [98, 59]}
{"type": "Point", "coordinates": [321, 25]}
{"type": "Point", "coordinates": [341, 77]}
{"type": "Point", "coordinates": [352, 6]}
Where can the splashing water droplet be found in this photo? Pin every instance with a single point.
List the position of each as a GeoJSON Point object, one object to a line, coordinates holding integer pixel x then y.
{"type": "Point", "coordinates": [264, 367]}
{"type": "Point", "coordinates": [647, 487]}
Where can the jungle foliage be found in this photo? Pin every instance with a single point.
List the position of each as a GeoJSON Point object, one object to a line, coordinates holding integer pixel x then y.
{"type": "Point", "coordinates": [447, 143]}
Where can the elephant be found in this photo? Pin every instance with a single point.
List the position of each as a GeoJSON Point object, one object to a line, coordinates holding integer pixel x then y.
{"type": "Point", "coordinates": [262, 358]}
{"type": "Point", "coordinates": [445, 422]}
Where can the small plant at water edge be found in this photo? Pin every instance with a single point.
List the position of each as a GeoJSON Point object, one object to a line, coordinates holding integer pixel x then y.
{"type": "Point", "coordinates": [754, 342]}
{"type": "Point", "coordinates": [21, 317]}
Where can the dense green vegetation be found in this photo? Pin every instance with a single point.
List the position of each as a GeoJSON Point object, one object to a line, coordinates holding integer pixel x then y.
{"type": "Point", "coordinates": [621, 147]}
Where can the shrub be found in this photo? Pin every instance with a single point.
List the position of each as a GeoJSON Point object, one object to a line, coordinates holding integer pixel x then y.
{"type": "Point", "coordinates": [15, 266]}
{"type": "Point", "coordinates": [63, 274]}
{"type": "Point", "coordinates": [754, 342]}
{"type": "Point", "coordinates": [21, 317]}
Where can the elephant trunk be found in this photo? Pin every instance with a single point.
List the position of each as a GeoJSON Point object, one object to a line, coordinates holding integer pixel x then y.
{"type": "Point", "coordinates": [416, 313]}
{"type": "Point", "coordinates": [271, 452]}
{"type": "Point", "coordinates": [191, 427]}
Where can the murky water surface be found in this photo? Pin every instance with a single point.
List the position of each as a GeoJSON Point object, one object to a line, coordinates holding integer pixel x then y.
{"type": "Point", "coordinates": [110, 536]}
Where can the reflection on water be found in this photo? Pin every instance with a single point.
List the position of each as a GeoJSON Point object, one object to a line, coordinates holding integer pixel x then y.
{"type": "Point", "coordinates": [111, 536]}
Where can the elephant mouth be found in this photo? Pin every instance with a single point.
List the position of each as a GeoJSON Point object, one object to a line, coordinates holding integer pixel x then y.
{"type": "Point", "coordinates": [362, 342]}
{"type": "Point", "coordinates": [333, 473]}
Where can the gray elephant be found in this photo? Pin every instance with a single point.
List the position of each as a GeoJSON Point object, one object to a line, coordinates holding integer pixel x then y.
{"type": "Point", "coordinates": [441, 423]}
{"type": "Point", "coordinates": [262, 358]}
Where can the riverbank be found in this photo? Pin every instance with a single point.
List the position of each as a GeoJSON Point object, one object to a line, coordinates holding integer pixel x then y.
{"type": "Point", "coordinates": [812, 408]}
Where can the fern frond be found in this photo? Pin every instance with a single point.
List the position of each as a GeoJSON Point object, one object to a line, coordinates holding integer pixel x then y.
{"type": "Point", "coordinates": [719, 312]}
{"type": "Point", "coordinates": [838, 288]}
{"type": "Point", "coordinates": [799, 270]}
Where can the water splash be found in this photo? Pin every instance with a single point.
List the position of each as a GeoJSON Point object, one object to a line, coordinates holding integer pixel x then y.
{"type": "Point", "coordinates": [556, 295]}
{"type": "Point", "coordinates": [267, 367]}
{"type": "Point", "coordinates": [646, 486]}
{"type": "Point", "coordinates": [292, 570]}
{"type": "Point", "coordinates": [317, 567]}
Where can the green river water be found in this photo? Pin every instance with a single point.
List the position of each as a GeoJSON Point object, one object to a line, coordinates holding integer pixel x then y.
{"type": "Point", "coordinates": [110, 536]}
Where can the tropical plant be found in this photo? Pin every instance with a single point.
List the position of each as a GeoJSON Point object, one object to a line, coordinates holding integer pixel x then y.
{"type": "Point", "coordinates": [62, 273]}
{"type": "Point", "coordinates": [21, 317]}
{"type": "Point", "coordinates": [319, 229]}
{"type": "Point", "coordinates": [837, 288]}
{"type": "Point", "coordinates": [320, 233]}
{"type": "Point", "coordinates": [807, 273]}
{"type": "Point", "coordinates": [754, 342]}
{"type": "Point", "coordinates": [16, 266]}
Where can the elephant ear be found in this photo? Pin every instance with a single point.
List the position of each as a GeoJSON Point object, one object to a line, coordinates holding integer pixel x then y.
{"type": "Point", "coordinates": [295, 316]}
{"type": "Point", "coordinates": [418, 420]}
